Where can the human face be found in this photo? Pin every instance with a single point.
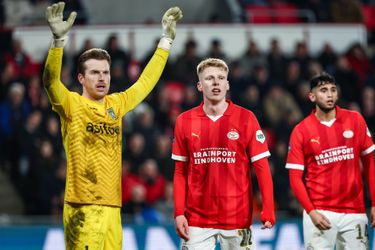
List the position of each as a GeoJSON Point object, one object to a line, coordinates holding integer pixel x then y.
{"type": "Point", "coordinates": [95, 80]}
{"type": "Point", "coordinates": [213, 83]}
{"type": "Point", "coordinates": [324, 96]}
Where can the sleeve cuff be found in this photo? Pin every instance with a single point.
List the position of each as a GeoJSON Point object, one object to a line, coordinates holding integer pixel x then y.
{"type": "Point", "coordinates": [165, 43]}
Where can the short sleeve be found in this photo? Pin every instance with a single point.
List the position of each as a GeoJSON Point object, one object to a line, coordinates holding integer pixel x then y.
{"type": "Point", "coordinates": [295, 159]}
{"type": "Point", "coordinates": [179, 147]}
{"type": "Point", "coordinates": [257, 147]}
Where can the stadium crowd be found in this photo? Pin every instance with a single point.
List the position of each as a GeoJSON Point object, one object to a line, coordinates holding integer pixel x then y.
{"type": "Point", "coordinates": [272, 83]}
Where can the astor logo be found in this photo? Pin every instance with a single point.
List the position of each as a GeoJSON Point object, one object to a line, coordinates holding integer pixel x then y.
{"type": "Point", "coordinates": [102, 128]}
{"type": "Point", "coordinates": [348, 134]}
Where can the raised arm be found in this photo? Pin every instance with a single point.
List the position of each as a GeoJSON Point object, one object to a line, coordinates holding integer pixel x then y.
{"type": "Point", "coordinates": [153, 70]}
{"type": "Point", "coordinates": [52, 69]}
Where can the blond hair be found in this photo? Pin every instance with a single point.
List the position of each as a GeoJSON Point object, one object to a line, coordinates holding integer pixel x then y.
{"type": "Point", "coordinates": [211, 62]}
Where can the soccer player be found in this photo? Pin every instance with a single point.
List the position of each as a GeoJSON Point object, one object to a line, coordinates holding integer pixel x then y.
{"type": "Point", "coordinates": [91, 131]}
{"type": "Point", "coordinates": [215, 145]}
{"type": "Point", "coordinates": [325, 172]}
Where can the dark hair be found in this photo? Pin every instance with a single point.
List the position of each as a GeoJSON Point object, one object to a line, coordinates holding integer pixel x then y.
{"type": "Point", "coordinates": [320, 79]}
{"type": "Point", "coordinates": [95, 53]}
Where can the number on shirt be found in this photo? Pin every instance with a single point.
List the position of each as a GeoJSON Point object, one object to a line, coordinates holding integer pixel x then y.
{"type": "Point", "coordinates": [246, 237]}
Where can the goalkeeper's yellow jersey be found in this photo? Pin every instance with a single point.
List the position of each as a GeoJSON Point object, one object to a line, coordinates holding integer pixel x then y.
{"type": "Point", "coordinates": [91, 131]}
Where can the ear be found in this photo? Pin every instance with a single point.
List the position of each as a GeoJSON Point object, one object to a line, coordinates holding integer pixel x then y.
{"type": "Point", "coordinates": [312, 97]}
{"type": "Point", "coordinates": [80, 78]}
{"type": "Point", "coordinates": [199, 86]}
{"type": "Point", "coordinates": [228, 86]}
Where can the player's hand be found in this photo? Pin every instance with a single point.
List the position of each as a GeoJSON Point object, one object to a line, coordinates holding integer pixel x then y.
{"type": "Point", "coordinates": [182, 227]}
{"type": "Point", "coordinates": [168, 22]}
{"type": "Point", "coordinates": [268, 218]}
{"type": "Point", "coordinates": [372, 217]}
{"type": "Point", "coordinates": [267, 225]}
{"type": "Point", "coordinates": [54, 16]}
{"type": "Point", "coordinates": [319, 220]}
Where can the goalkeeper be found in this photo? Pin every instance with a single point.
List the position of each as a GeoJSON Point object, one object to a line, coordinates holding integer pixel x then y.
{"type": "Point", "coordinates": [91, 131]}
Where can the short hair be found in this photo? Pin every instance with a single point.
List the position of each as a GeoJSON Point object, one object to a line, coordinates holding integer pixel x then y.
{"type": "Point", "coordinates": [94, 53]}
{"type": "Point", "coordinates": [211, 62]}
{"type": "Point", "coordinates": [321, 79]}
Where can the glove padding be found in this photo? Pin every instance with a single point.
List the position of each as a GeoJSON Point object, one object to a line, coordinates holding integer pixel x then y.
{"type": "Point", "coordinates": [59, 28]}
{"type": "Point", "coordinates": [168, 22]}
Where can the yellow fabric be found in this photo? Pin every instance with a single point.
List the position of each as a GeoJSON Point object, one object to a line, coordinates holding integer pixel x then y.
{"type": "Point", "coordinates": [91, 131]}
{"type": "Point", "coordinates": [94, 227]}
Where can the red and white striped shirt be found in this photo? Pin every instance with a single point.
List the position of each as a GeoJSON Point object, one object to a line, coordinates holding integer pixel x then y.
{"type": "Point", "coordinates": [218, 154]}
{"type": "Point", "coordinates": [330, 157]}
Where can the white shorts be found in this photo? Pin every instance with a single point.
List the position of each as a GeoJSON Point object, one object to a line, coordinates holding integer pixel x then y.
{"type": "Point", "coordinates": [348, 231]}
{"type": "Point", "coordinates": [206, 239]}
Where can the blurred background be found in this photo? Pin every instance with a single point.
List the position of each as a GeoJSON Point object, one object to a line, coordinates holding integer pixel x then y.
{"type": "Point", "coordinates": [272, 48]}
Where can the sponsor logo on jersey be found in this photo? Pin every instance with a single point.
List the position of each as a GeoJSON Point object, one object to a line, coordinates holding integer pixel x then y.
{"type": "Point", "coordinates": [111, 113]}
{"type": "Point", "coordinates": [214, 155]}
{"type": "Point", "coordinates": [102, 128]}
{"type": "Point", "coordinates": [348, 134]}
{"type": "Point", "coordinates": [259, 136]}
{"type": "Point", "coordinates": [315, 140]}
{"type": "Point", "coordinates": [233, 135]}
{"type": "Point", "coordinates": [337, 154]}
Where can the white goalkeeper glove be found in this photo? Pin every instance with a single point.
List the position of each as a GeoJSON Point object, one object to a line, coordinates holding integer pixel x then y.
{"type": "Point", "coordinates": [59, 28]}
{"type": "Point", "coordinates": [169, 20]}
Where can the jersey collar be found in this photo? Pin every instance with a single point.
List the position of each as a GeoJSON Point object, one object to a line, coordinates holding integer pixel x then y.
{"type": "Point", "coordinates": [228, 111]}
{"type": "Point", "coordinates": [338, 113]}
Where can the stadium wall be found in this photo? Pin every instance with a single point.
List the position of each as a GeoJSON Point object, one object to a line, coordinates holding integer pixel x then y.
{"type": "Point", "coordinates": [139, 39]}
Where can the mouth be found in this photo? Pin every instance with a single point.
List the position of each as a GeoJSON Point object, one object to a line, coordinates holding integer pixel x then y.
{"type": "Point", "coordinates": [101, 86]}
{"type": "Point", "coordinates": [216, 91]}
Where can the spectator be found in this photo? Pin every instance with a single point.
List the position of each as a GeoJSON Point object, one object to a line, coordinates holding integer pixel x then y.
{"type": "Point", "coordinates": [216, 51]}
{"type": "Point", "coordinates": [13, 115]}
{"type": "Point", "coordinates": [251, 58]}
{"type": "Point", "coordinates": [153, 182]}
{"type": "Point", "coordinates": [276, 60]}
{"type": "Point", "coordinates": [185, 65]}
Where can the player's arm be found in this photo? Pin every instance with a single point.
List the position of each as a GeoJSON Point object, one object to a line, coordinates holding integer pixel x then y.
{"type": "Point", "coordinates": [180, 191]}
{"type": "Point", "coordinates": [299, 190]}
{"type": "Point", "coordinates": [265, 183]}
{"type": "Point", "coordinates": [153, 70]}
{"type": "Point", "coordinates": [369, 172]}
{"type": "Point", "coordinates": [295, 164]}
{"type": "Point", "coordinates": [52, 69]}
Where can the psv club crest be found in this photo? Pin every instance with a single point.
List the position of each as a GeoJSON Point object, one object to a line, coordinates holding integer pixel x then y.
{"type": "Point", "coordinates": [233, 135]}
{"type": "Point", "coordinates": [111, 113]}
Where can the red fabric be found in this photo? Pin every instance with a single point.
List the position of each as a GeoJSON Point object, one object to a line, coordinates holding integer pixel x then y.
{"type": "Point", "coordinates": [299, 189]}
{"type": "Point", "coordinates": [219, 154]}
{"type": "Point", "coordinates": [368, 163]}
{"type": "Point", "coordinates": [265, 183]}
{"type": "Point", "coordinates": [128, 182]}
{"type": "Point", "coordinates": [179, 187]}
{"type": "Point", "coordinates": [330, 156]}
{"type": "Point", "coordinates": [369, 14]}
{"type": "Point", "coordinates": [155, 190]}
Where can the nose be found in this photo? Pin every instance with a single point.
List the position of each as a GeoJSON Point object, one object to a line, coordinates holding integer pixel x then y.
{"type": "Point", "coordinates": [101, 76]}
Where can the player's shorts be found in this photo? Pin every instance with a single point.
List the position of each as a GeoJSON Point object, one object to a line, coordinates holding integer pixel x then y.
{"type": "Point", "coordinates": [206, 239]}
{"type": "Point", "coordinates": [348, 231]}
{"type": "Point", "coordinates": [92, 227]}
